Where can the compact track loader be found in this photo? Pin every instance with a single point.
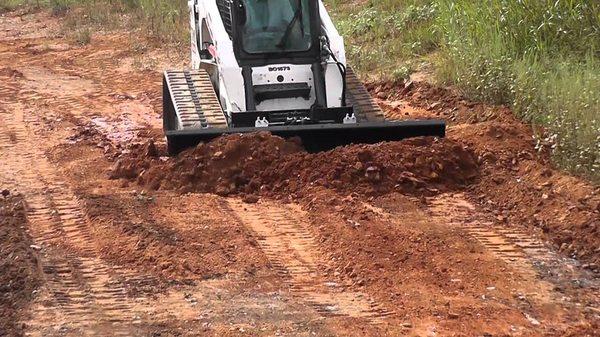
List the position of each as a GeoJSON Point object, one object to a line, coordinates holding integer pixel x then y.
{"type": "Point", "coordinates": [277, 66]}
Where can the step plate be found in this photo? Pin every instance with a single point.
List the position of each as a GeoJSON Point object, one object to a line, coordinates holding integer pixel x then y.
{"type": "Point", "coordinates": [194, 100]}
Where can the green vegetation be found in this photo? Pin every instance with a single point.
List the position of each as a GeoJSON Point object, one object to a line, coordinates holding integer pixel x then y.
{"type": "Point", "coordinates": [386, 39]}
{"type": "Point", "coordinates": [164, 20]}
{"type": "Point", "coordinates": [540, 57]}
{"type": "Point", "coordinates": [7, 5]}
{"type": "Point", "coordinates": [83, 36]}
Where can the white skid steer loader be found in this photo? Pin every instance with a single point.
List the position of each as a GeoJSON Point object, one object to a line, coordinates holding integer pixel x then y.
{"type": "Point", "coordinates": [277, 66]}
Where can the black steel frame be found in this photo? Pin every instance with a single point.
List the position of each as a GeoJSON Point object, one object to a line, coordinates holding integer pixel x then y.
{"type": "Point", "coordinates": [318, 137]}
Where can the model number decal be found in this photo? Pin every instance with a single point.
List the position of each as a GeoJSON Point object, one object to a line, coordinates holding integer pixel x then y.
{"type": "Point", "coordinates": [285, 68]}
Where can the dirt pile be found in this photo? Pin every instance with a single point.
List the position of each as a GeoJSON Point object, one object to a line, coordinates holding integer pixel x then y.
{"type": "Point", "coordinates": [19, 273]}
{"type": "Point", "coordinates": [264, 164]}
{"type": "Point", "coordinates": [518, 184]}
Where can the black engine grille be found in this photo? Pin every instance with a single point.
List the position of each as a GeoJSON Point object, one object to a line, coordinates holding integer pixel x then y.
{"type": "Point", "coordinates": [225, 11]}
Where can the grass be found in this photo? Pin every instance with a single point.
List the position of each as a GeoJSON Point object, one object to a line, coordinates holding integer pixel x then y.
{"type": "Point", "coordinates": [164, 20]}
{"type": "Point", "coordinates": [380, 29]}
{"type": "Point", "coordinates": [83, 36]}
{"type": "Point", "coordinates": [540, 57]}
{"type": "Point", "coordinates": [9, 5]}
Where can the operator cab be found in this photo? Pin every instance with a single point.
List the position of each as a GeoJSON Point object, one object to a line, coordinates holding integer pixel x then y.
{"type": "Point", "coordinates": [278, 45]}
{"type": "Point", "coordinates": [276, 31]}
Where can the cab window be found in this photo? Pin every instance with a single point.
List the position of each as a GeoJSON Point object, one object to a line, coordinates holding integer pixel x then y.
{"type": "Point", "coordinates": [274, 26]}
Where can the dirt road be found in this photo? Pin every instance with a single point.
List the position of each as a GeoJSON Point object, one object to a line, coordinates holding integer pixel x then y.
{"type": "Point", "coordinates": [475, 235]}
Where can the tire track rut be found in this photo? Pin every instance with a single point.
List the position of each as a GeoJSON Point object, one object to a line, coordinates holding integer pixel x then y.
{"type": "Point", "coordinates": [283, 235]}
{"type": "Point", "coordinates": [82, 295]}
{"type": "Point", "coordinates": [524, 253]}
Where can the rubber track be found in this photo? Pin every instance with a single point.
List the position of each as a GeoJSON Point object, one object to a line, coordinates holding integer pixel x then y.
{"type": "Point", "coordinates": [366, 109]}
{"type": "Point", "coordinates": [195, 100]}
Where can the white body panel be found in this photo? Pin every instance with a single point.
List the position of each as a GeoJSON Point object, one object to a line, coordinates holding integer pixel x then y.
{"type": "Point", "coordinates": [226, 73]}
{"type": "Point", "coordinates": [333, 78]}
{"type": "Point", "coordinates": [291, 74]}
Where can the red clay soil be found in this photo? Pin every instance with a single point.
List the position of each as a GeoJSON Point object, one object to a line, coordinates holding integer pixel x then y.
{"type": "Point", "coordinates": [438, 102]}
{"type": "Point", "coordinates": [364, 216]}
{"type": "Point", "coordinates": [159, 235]}
{"type": "Point", "coordinates": [19, 272]}
{"type": "Point", "coordinates": [264, 164]}
{"type": "Point", "coordinates": [416, 266]}
{"type": "Point", "coordinates": [521, 188]}
{"type": "Point", "coordinates": [171, 236]}
{"type": "Point", "coordinates": [518, 183]}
